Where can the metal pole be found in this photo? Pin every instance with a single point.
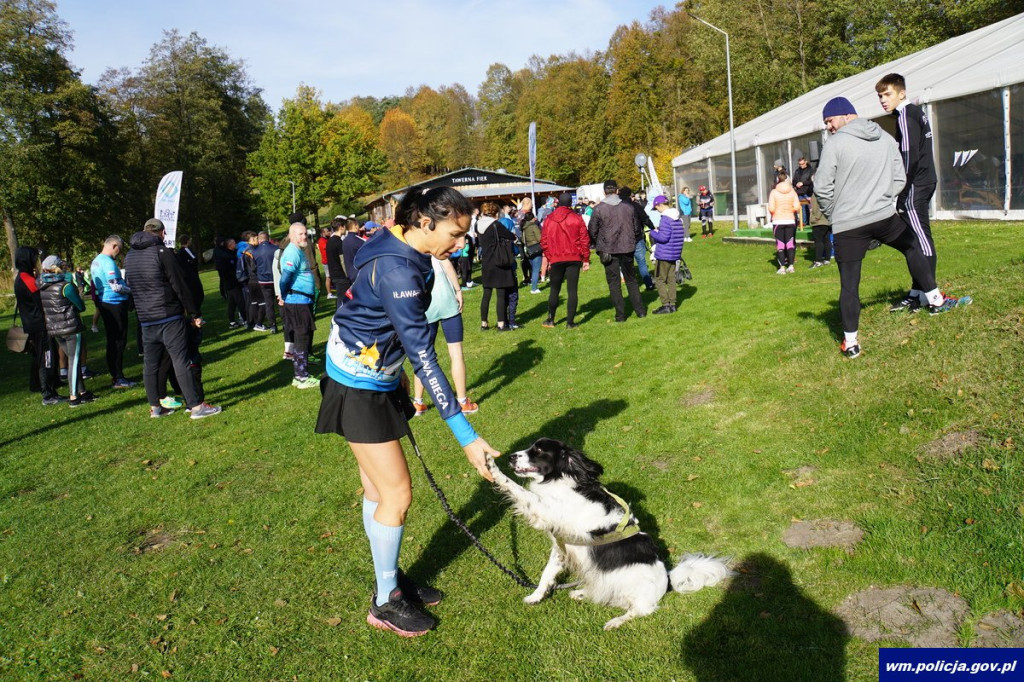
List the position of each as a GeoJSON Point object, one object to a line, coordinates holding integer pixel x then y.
{"type": "Point", "coordinates": [732, 124]}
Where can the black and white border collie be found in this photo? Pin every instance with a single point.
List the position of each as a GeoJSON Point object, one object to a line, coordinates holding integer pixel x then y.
{"type": "Point", "coordinates": [591, 536]}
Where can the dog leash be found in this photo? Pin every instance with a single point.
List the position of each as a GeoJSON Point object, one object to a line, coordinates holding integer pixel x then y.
{"type": "Point", "coordinates": [465, 529]}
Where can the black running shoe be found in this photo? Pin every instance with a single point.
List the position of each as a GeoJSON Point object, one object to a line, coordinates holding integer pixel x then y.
{"type": "Point", "coordinates": [424, 595]}
{"type": "Point", "coordinates": [400, 616]}
{"type": "Point", "coordinates": [910, 304]}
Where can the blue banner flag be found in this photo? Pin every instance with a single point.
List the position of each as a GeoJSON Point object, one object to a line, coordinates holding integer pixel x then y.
{"type": "Point", "coordinates": [982, 665]}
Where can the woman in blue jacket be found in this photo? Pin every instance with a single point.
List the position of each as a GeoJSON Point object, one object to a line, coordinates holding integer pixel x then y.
{"type": "Point", "coordinates": [366, 393]}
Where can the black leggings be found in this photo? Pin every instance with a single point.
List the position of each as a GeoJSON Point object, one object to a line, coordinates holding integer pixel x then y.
{"type": "Point", "coordinates": [785, 244]}
{"type": "Point", "coordinates": [485, 303]}
{"type": "Point", "coordinates": [849, 278]}
{"type": "Point", "coordinates": [822, 244]}
{"type": "Point", "coordinates": [569, 271]}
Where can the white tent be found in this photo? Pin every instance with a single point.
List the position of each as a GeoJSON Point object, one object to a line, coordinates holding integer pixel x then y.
{"type": "Point", "coordinates": [986, 60]}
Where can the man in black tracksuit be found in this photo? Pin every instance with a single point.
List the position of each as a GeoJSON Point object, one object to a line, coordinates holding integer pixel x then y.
{"type": "Point", "coordinates": [336, 260]}
{"type": "Point", "coordinates": [914, 137]}
{"type": "Point", "coordinates": [164, 306]}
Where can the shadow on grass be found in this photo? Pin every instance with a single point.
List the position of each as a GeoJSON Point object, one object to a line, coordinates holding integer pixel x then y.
{"type": "Point", "coordinates": [833, 320]}
{"type": "Point", "coordinates": [508, 367]}
{"type": "Point", "coordinates": [766, 628]}
{"type": "Point", "coordinates": [485, 509]}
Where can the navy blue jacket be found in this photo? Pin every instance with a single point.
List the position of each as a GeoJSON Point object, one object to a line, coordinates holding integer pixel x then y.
{"type": "Point", "coordinates": [384, 322]}
{"type": "Point", "coordinates": [264, 255]}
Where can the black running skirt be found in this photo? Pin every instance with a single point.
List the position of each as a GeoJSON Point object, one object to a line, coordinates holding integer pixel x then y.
{"type": "Point", "coordinates": [362, 416]}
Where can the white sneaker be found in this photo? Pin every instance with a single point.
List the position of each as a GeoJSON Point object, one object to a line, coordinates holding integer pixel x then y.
{"type": "Point", "coordinates": [780, 271]}
{"type": "Point", "coordinates": [534, 291]}
{"type": "Point", "coordinates": [790, 269]}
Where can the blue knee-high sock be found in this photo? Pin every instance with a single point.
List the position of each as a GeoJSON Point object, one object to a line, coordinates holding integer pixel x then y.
{"type": "Point", "coordinates": [385, 544]}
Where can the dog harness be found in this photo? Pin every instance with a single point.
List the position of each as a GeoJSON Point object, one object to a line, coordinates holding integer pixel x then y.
{"type": "Point", "coordinates": [627, 528]}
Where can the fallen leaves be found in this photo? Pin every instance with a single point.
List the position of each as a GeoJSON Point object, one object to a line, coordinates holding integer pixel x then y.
{"type": "Point", "coordinates": [333, 622]}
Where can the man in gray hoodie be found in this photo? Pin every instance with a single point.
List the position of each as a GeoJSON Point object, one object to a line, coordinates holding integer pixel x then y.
{"type": "Point", "coordinates": [859, 176]}
{"type": "Point", "coordinates": [613, 227]}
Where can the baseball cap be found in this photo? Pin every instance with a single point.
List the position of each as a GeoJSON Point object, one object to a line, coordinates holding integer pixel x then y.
{"type": "Point", "coordinates": [52, 261]}
{"type": "Point", "coordinates": [610, 186]}
{"type": "Point", "coordinates": [153, 225]}
{"type": "Point", "coordinates": [659, 200]}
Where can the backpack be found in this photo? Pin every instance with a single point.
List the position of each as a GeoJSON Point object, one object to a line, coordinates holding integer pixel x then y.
{"type": "Point", "coordinates": [244, 267]}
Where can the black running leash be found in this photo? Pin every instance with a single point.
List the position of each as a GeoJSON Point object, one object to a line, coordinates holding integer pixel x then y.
{"type": "Point", "coordinates": [462, 526]}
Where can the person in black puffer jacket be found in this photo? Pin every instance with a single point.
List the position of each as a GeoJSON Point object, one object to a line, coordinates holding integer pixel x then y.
{"type": "Point", "coordinates": [164, 306]}
{"type": "Point", "coordinates": [43, 374]}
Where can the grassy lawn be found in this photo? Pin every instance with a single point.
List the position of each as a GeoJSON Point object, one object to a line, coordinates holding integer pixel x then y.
{"type": "Point", "coordinates": [232, 547]}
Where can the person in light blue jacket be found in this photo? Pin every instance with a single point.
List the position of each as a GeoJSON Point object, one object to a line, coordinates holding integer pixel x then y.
{"type": "Point", "coordinates": [298, 295]}
{"type": "Point", "coordinates": [684, 203]}
{"type": "Point", "coordinates": [112, 303]}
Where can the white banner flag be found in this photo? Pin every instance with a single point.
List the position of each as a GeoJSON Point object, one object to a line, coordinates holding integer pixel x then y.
{"type": "Point", "coordinates": [168, 194]}
{"type": "Point", "coordinates": [533, 164]}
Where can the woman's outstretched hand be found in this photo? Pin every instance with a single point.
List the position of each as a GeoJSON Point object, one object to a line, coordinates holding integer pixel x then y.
{"type": "Point", "coordinates": [476, 453]}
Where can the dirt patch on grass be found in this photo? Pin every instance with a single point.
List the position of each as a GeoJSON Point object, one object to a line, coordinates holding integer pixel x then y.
{"type": "Point", "coordinates": [919, 616]}
{"type": "Point", "coordinates": [660, 465]}
{"type": "Point", "coordinates": [822, 533]}
{"type": "Point", "coordinates": [703, 397]}
{"type": "Point", "coordinates": [999, 630]}
{"type": "Point", "coordinates": [154, 540]}
{"type": "Point", "coordinates": [800, 472]}
{"type": "Point", "coordinates": [953, 445]}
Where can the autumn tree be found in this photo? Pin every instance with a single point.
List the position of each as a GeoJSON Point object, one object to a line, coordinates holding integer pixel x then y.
{"type": "Point", "coordinates": [59, 179]}
{"type": "Point", "coordinates": [330, 156]}
{"type": "Point", "coordinates": [400, 142]}
{"type": "Point", "coordinates": [191, 107]}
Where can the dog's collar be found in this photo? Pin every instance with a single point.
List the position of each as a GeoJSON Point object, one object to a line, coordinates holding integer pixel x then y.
{"type": "Point", "coordinates": [626, 528]}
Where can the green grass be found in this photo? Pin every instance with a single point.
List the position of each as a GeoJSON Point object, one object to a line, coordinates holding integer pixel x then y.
{"type": "Point", "coordinates": [262, 517]}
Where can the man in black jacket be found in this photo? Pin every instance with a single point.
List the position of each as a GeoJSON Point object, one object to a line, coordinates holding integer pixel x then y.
{"type": "Point", "coordinates": [164, 306]}
{"type": "Point", "coordinates": [335, 261]}
{"type": "Point", "coordinates": [643, 221]}
{"type": "Point", "coordinates": [803, 183]}
{"type": "Point", "coordinates": [225, 260]}
{"type": "Point", "coordinates": [613, 228]}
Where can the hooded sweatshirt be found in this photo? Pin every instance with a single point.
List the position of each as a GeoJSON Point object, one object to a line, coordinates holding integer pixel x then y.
{"type": "Point", "coordinates": [784, 204]}
{"type": "Point", "coordinates": [386, 321]}
{"type": "Point", "coordinates": [859, 175]}
{"type": "Point", "coordinates": [26, 291]}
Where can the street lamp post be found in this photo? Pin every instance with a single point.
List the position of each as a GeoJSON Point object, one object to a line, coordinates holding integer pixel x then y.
{"type": "Point", "coordinates": [640, 159]}
{"type": "Point", "coordinates": [732, 126]}
{"type": "Point", "coordinates": [293, 194]}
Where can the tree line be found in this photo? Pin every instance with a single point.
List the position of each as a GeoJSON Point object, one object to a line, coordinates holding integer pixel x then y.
{"type": "Point", "coordinates": [79, 161]}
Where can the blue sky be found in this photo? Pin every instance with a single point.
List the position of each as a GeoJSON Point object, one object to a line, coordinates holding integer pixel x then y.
{"type": "Point", "coordinates": [347, 48]}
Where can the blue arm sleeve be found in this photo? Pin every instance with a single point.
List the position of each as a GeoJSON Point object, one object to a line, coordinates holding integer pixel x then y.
{"type": "Point", "coordinates": [400, 293]}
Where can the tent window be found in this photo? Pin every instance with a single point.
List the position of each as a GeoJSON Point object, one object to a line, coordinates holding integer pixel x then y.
{"type": "Point", "coordinates": [970, 157]}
